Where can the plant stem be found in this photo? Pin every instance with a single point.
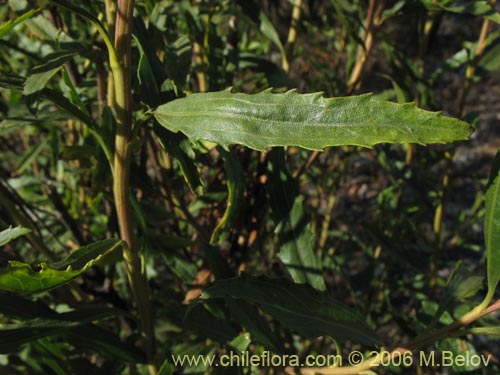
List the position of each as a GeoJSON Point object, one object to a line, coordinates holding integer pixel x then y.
{"type": "Point", "coordinates": [438, 221]}
{"type": "Point", "coordinates": [417, 343]}
{"type": "Point", "coordinates": [471, 69]}
{"type": "Point", "coordinates": [110, 23]}
{"type": "Point", "coordinates": [292, 35]}
{"type": "Point", "coordinates": [200, 67]}
{"type": "Point", "coordinates": [440, 209]}
{"type": "Point", "coordinates": [372, 19]}
{"type": "Point", "coordinates": [326, 222]}
{"type": "Point", "coordinates": [121, 176]}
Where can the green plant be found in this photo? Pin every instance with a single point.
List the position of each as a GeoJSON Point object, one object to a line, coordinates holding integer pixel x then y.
{"type": "Point", "coordinates": [153, 212]}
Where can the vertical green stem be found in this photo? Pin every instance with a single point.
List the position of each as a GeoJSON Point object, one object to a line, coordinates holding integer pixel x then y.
{"type": "Point", "coordinates": [471, 69]}
{"type": "Point", "coordinates": [440, 209]}
{"type": "Point", "coordinates": [326, 222]}
{"type": "Point", "coordinates": [372, 20]}
{"type": "Point", "coordinates": [292, 35]}
{"type": "Point", "coordinates": [121, 184]}
{"type": "Point", "coordinates": [110, 23]}
{"type": "Point", "coordinates": [200, 67]}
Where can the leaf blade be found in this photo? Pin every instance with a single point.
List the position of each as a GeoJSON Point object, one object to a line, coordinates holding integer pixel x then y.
{"type": "Point", "coordinates": [41, 74]}
{"type": "Point", "coordinates": [492, 227]}
{"type": "Point", "coordinates": [296, 241]}
{"type": "Point", "coordinates": [9, 25]}
{"type": "Point", "coordinates": [235, 181]}
{"type": "Point", "coordinates": [11, 234]}
{"type": "Point", "coordinates": [21, 278]}
{"type": "Point", "coordinates": [298, 307]}
{"type": "Point", "coordinates": [310, 121]}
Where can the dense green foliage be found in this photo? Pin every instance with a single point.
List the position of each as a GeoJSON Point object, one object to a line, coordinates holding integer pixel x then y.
{"type": "Point", "coordinates": [159, 199]}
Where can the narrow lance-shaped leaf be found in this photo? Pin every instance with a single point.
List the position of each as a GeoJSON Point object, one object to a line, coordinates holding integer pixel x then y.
{"type": "Point", "coordinates": [49, 66]}
{"type": "Point", "coordinates": [462, 284]}
{"type": "Point", "coordinates": [20, 277]}
{"type": "Point", "coordinates": [457, 349]}
{"type": "Point", "coordinates": [9, 25]}
{"type": "Point", "coordinates": [268, 29]}
{"type": "Point", "coordinates": [10, 234]}
{"type": "Point", "coordinates": [248, 316]}
{"type": "Point", "coordinates": [241, 342]}
{"type": "Point", "coordinates": [13, 82]}
{"type": "Point", "coordinates": [492, 227]}
{"type": "Point", "coordinates": [205, 323]}
{"type": "Point", "coordinates": [150, 74]}
{"type": "Point", "coordinates": [296, 240]}
{"type": "Point", "coordinates": [487, 331]}
{"type": "Point", "coordinates": [47, 324]}
{"type": "Point", "coordinates": [298, 307]}
{"type": "Point", "coordinates": [178, 146]}
{"type": "Point", "coordinates": [166, 368]}
{"type": "Point", "coordinates": [477, 8]}
{"type": "Point", "coordinates": [309, 121]}
{"type": "Point", "coordinates": [235, 187]}
{"type": "Point", "coordinates": [242, 312]}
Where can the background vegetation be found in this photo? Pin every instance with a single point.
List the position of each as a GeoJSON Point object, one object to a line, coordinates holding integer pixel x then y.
{"type": "Point", "coordinates": [113, 224]}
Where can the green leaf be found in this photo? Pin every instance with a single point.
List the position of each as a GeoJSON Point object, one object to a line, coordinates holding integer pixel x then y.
{"type": "Point", "coordinates": [235, 187]}
{"type": "Point", "coordinates": [298, 307]}
{"type": "Point", "coordinates": [205, 324]}
{"type": "Point", "coordinates": [175, 145]}
{"type": "Point", "coordinates": [36, 82]}
{"type": "Point", "coordinates": [242, 312]}
{"type": "Point", "coordinates": [149, 71]}
{"type": "Point", "coordinates": [96, 339]}
{"type": "Point", "coordinates": [296, 241]}
{"type": "Point", "coordinates": [492, 226]}
{"type": "Point", "coordinates": [391, 12]}
{"type": "Point", "coordinates": [487, 331]}
{"type": "Point", "coordinates": [12, 305]}
{"type": "Point", "coordinates": [202, 351]}
{"type": "Point", "coordinates": [49, 66]}
{"type": "Point", "coordinates": [81, 257]}
{"type": "Point", "coordinates": [41, 27]}
{"type": "Point", "coordinates": [32, 154]}
{"type": "Point", "coordinates": [17, 83]}
{"type": "Point", "coordinates": [490, 60]}
{"type": "Point", "coordinates": [241, 342]}
{"type": "Point", "coordinates": [267, 28]}
{"type": "Point", "coordinates": [476, 8]}
{"type": "Point", "coordinates": [20, 277]}
{"type": "Point", "coordinates": [82, 12]}
{"type": "Point", "coordinates": [11, 81]}
{"type": "Point", "coordinates": [14, 335]}
{"type": "Point", "coordinates": [78, 10]}
{"type": "Point", "coordinates": [462, 284]}
{"type": "Point", "coordinates": [178, 54]}
{"type": "Point", "coordinates": [455, 351]}
{"type": "Point", "coordinates": [309, 121]}
{"type": "Point", "coordinates": [11, 234]}
{"type": "Point", "coordinates": [9, 25]}
{"type": "Point", "coordinates": [182, 268]}
{"type": "Point", "coordinates": [218, 264]}
{"type": "Point", "coordinates": [249, 317]}
{"type": "Point", "coordinates": [166, 369]}
{"type": "Point", "coordinates": [74, 327]}
{"type": "Point", "coordinates": [150, 92]}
